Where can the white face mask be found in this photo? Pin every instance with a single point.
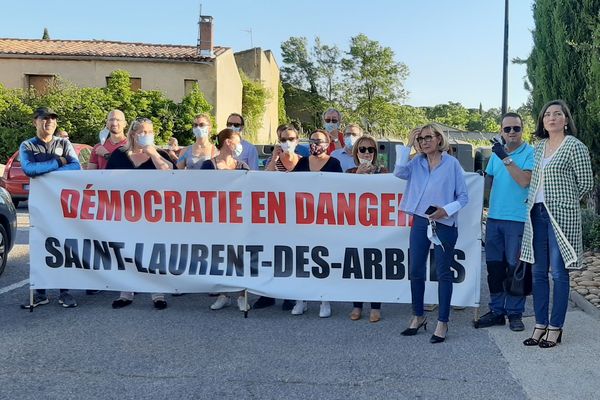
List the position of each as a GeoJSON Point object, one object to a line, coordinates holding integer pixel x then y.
{"type": "Point", "coordinates": [200, 132]}
{"type": "Point", "coordinates": [238, 150]}
{"type": "Point", "coordinates": [288, 146]}
{"type": "Point", "coordinates": [146, 140]}
{"type": "Point", "coordinates": [363, 161]}
{"type": "Point", "coordinates": [104, 133]}
{"type": "Point", "coordinates": [235, 129]}
{"type": "Point", "coordinates": [432, 235]}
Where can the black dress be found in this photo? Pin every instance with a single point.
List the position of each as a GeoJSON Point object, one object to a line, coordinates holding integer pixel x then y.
{"type": "Point", "coordinates": [332, 165]}
{"type": "Point", "coordinates": [120, 160]}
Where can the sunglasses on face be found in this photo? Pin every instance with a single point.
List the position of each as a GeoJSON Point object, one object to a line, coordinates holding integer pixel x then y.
{"type": "Point", "coordinates": [364, 149]}
{"type": "Point", "coordinates": [234, 124]}
{"type": "Point", "coordinates": [425, 139]}
{"type": "Point", "coordinates": [331, 120]}
{"type": "Point", "coordinates": [289, 139]}
{"type": "Point", "coordinates": [515, 129]}
{"type": "Point", "coordinates": [199, 125]}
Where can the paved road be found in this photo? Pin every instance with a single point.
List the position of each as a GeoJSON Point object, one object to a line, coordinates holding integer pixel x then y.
{"type": "Point", "coordinates": [188, 351]}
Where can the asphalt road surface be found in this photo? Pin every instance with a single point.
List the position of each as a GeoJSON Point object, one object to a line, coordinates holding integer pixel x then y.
{"type": "Point", "coordinates": [190, 352]}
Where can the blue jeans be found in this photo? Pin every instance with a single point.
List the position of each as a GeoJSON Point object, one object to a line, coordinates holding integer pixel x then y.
{"type": "Point", "coordinates": [502, 249]}
{"type": "Point", "coordinates": [547, 254]}
{"type": "Point", "coordinates": [418, 253]}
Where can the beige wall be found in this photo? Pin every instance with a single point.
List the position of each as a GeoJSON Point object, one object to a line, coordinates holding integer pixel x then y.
{"type": "Point", "coordinates": [168, 77]}
{"type": "Point", "coordinates": [229, 89]}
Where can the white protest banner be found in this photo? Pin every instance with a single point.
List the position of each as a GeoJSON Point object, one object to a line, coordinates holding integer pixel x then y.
{"type": "Point", "coordinates": [312, 236]}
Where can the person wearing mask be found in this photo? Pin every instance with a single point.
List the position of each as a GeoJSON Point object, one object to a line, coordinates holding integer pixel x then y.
{"type": "Point", "coordinates": [229, 144]}
{"type": "Point", "coordinates": [194, 156]}
{"type": "Point", "coordinates": [509, 171]}
{"type": "Point", "coordinates": [435, 191]}
{"type": "Point", "coordinates": [115, 128]}
{"type": "Point", "coordinates": [552, 240]}
{"type": "Point", "coordinates": [62, 134]}
{"type": "Point", "coordinates": [364, 153]}
{"type": "Point", "coordinates": [249, 155]}
{"type": "Point", "coordinates": [344, 155]}
{"type": "Point", "coordinates": [332, 120]}
{"type": "Point", "coordinates": [40, 155]}
{"type": "Point", "coordinates": [140, 153]}
{"type": "Point", "coordinates": [318, 161]}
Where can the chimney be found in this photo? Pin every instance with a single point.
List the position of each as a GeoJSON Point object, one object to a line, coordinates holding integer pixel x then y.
{"type": "Point", "coordinates": [205, 36]}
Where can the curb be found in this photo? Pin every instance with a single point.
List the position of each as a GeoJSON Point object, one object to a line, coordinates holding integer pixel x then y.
{"type": "Point", "coordinates": [585, 305]}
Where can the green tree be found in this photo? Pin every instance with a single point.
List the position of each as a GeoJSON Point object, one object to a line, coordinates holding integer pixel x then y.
{"type": "Point", "coordinates": [46, 35]}
{"type": "Point", "coordinates": [328, 63]}
{"type": "Point", "coordinates": [299, 67]}
{"type": "Point", "coordinates": [254, 105]}
{"type": "Point", "coordinates": [283, 118]}
{"type": "Point", "coordinates": [452, 114]}
{"type": "Point", "coordinates": [373, 79]}
{"type": "Point", "coordinates": [191, 105]}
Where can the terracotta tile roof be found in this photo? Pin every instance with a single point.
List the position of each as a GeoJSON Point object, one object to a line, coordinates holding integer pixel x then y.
{"type": "Point", "coordinates": [101, 49]}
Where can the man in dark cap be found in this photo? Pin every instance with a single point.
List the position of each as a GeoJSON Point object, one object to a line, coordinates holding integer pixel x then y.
{"type": "Point", "coordinates": [42, 154]}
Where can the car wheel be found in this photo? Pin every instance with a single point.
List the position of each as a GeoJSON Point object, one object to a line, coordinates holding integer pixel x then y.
{"type": "Point", "coordinates": [3, 248]}
{"type": "Point", "coordinates": [16, 202]}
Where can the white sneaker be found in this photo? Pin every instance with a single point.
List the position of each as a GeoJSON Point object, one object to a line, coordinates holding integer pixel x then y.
{"type": "Point", "coordinates": [325, 310]}
{"type": "Point", "coordinates": [242, 304]}
{"type": "Point", "coordinates": [222, 301]}
{"type": "Point", "coordinates": [300, 307]}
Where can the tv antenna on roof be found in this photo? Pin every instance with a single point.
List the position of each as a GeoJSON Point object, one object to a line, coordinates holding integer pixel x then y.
{"type": "Point", "coordinates": [249, 30]}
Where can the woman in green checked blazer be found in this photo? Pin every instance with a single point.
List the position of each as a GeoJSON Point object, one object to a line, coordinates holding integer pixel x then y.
{"type": "Point", "coordinates": [562, 175]}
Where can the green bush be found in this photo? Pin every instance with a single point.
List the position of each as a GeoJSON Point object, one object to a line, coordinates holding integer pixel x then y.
{"type": "Point", "coordinates": [590, 225]}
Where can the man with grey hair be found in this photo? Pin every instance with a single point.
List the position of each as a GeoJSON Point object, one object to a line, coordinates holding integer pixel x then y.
{"type": "Point", "coordinates": [344, 155]}
{"type": "Point", "coordinates": [332, 120]}
{"type": "Point", "coordinates": [115, 124]}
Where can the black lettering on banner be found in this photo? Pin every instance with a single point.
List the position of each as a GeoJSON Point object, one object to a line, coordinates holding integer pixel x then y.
{"type": "Point", "coordinates": [284, 259]}
{"type": "Point", "coordinates": [351, 264]}
{"type": "Point", "coordinates": [301, 262]}
{"type": "Point", "coordinates": [158, 259]}
{"type": "Point", "coordinates": [458, 267]}
{"type": "Point", "coordinates": [116, 246]}
{"type": "Point", "coordinates": [322, 271]}
{"type": "Point", "coordinates": [216, 259]}
{"type": "Point", "coordinates": [372, 263]}
{"type": "Point", "coordinates": [101, 253]}
{"type": "Point", "coordinates": [199, 255]}
{"type": "Point", "coordinates": [139, 256]}
{"type": "Point", "coordinates": [394, 268]}
{"type": "Point", "coordinates": [254, 250]}
{"type": "Point", "coordinates": [235, 259]}
{"type": "Point", "coordinates": [86, 253]}
{"type": "Point", "coordinates": [72, 254]}
{"type": "Point", "coordinates": [176, 268]}
{"type": "Point", "coordinates": [56, 259]}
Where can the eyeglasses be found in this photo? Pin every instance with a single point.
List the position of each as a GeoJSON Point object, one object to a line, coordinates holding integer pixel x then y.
{"type": "Point", "coordinates": [234, 124]}
{"type": "Point", "coordinates": [331, 120]}
{"type": "Point", "coordinates": [507, 129]}
{"type": "Point", "coordinates": [369, 149]}
{"type": "Point", "coordinates": [199, 125]}
{"type": "Point", "coordinates": [289, 139]}
{"type": "Point", "coordinates": [425, 139]}
{"type": "Point", "coordinates": [316, 141]}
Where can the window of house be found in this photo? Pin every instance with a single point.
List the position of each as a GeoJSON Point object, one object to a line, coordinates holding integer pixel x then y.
{"type": "Point", "coordinates": [134, 83]}
{"type": "Point", "coordinates": [40, 83]}
{"type": "Point", "coordinates": [189, 85]}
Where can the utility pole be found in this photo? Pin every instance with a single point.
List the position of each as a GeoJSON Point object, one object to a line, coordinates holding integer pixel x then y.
{"type": "Point", "coordinates": [505, 62]}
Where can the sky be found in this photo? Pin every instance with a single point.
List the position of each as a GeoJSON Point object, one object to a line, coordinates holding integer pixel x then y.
{"type": "Point", "coordinates": [453, 49]}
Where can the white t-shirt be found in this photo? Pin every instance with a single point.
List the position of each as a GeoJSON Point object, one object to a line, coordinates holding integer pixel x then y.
{"type": "Point", "coordinates": [539, 196]}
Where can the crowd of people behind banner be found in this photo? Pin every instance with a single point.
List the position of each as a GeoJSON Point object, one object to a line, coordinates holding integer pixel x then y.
{"type": "Point", "coordinates": [534, 213]}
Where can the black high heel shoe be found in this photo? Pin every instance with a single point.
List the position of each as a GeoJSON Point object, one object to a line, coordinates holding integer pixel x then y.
{"type": "Point", "coordinates": [413, 331]}
{"type": "Point", "coordinates": [546, 344]}
{"type": "Point", "coordinates": [438, 339]}
{"type": "Point", "coordinates": [533, 340]}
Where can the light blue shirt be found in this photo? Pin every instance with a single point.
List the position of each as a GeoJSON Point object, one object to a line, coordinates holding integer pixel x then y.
{"type": "Point", "coordinates": [507, 199]}
{"type": "Point", "coordinates": [444, 187]}
{"type": "Point", "coordinates": [345, 159]}
{"type": "Point", "coordinates": [249, 155]}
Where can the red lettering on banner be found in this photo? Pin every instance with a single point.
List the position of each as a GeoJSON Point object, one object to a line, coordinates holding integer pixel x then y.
{"type": "Point", "coordinates": [109, 206]}
{"type": "Point", "coordinates": [69, 201]}
{"type": "Point", "coordinates": [222, 207]}
{"type": "Point", "coordinates": [325, 210]}
{"type": "Point", "coordinates": [173, 206]}
{"type": "Point", "coordinates": [403, 218]}
{"type": "Point", "coordinates": [367, 215]}
{"type": "Point", "coordinates": [209, 198]}
{"type": "Point", "coordinates": [387, 209]}
{"type": "Point", "coordinates": [257, 207]}
{"type": "Point", "coordinates": [305, 208]}
{"type": "Point", "coordinates": [235, 207]}
{"type": "Point", "coordinates": [87, 203]}
{"type": "Point", "coordinates": [346, 208]}
{"type": "Point", "coordinates": [276, 207]}
{"type": "Point", "coordinates": [193, 211]}
{"type": "Point", "coordinates": [151, 198]}
{"type": "Point", "coordinates": [133, 206]}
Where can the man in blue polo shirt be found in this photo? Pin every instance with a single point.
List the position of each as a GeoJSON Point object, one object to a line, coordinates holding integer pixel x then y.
{"type": "Point", "coordinates": [509, 169]}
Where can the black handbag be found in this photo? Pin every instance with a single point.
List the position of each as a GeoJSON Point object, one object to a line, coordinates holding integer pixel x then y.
{"type": "Point", "coordinates": [520, 283]}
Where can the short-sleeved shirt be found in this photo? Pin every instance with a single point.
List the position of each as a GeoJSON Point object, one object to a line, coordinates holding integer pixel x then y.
{"type": "Point", "coordinates": [507, 199]}
{"type": "Point", "coordinates": [332, 147]}
{"type": "Point", "coordinates": [345, 159]}
{"type": "Point", "coordinates": [110, 147]}
{"type": "Point", "coordinates": [192, 161]}
{"type": "Point", "coordinates": [212, 164]}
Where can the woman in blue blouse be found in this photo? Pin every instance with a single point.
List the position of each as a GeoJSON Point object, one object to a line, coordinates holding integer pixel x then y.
{"type": "Point", "coordinates": [435, 192]}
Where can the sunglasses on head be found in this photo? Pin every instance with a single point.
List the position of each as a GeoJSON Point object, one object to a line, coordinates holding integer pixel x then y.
{"type": "Point", "coordinates": [365, 149]}
{"type": "Point", "coordinates": [507, 129]}
{"type": "Point", "coordinates": [234, 124]}
{"type": "Point", "coordinates": [331, 120]}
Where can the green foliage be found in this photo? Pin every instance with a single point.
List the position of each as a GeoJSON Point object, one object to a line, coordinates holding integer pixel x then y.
{"type": "Point", "coordinates": [283, 118]}
{"type": "Point", "coordinates": [590, 225]}
{"type": "Point", "coordinates": [254, 105]}
{"type": "Point", "coordinates": [46, 35]}
{"type": "Point", "coordinates": [193, 104]}
{"type": "Point", "coordinates": [299, 66]}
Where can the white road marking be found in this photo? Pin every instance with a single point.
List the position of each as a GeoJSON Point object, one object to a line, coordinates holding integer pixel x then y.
{"type": "Point", "coordinates": [14, 286]}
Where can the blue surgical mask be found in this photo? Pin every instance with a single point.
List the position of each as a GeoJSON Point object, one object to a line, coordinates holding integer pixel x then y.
{"type": "Point", "coordinates": [331, 126]}
{"type": "Point", "coordinates": [349, 141]}
{"type": "Point", "coordinates": [146, 140]}
{"type": "Point", "coordinates": [200, 132]}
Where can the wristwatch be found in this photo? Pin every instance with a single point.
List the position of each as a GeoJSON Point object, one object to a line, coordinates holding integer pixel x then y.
{"type": "Point", "coordinates": [507, 161]}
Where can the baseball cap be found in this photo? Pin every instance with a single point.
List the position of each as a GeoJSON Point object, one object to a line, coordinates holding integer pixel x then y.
{"type": "Point", "coordinates": [43, 112]}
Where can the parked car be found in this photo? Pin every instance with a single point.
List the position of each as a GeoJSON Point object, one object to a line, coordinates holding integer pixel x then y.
{"type": "Point", "coordinates": [8, 227]}
{"type": "Point", "coordinates": [17, 183]}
